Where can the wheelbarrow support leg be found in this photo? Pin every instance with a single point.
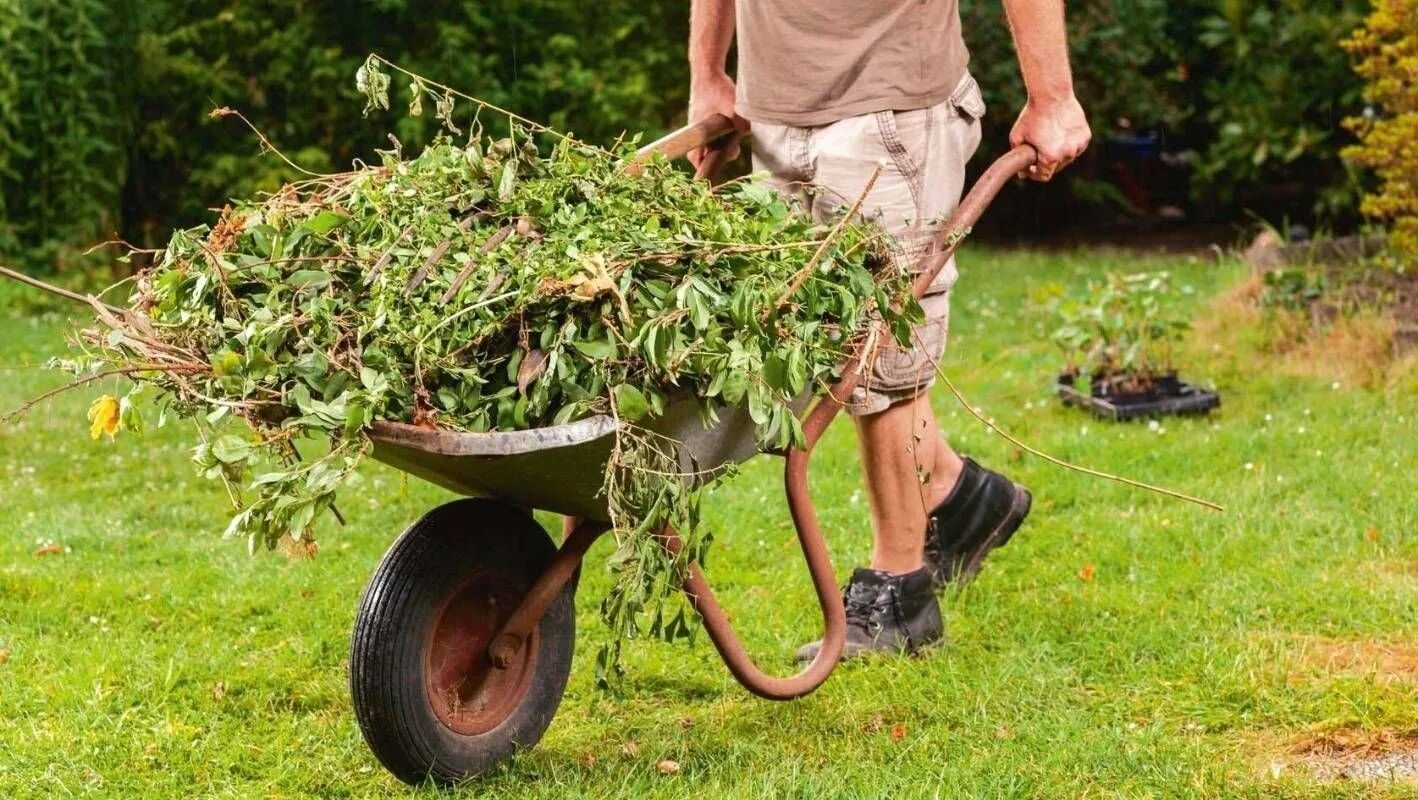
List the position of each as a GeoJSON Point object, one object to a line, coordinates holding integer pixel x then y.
{"type": "Point", "coordinates": [561, 569]}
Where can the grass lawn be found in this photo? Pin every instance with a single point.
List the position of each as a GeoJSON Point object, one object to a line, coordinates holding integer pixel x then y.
{"type": "Point", "coordinates": [1123, 644]}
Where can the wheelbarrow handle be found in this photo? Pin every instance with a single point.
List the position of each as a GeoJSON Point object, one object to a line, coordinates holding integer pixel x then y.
{"type": "Point", "coordinates": [971, 208]}
{"type": "Point", "coordinates": [715, 131]}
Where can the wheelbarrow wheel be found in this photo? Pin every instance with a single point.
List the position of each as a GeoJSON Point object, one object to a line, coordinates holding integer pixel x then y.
{"type": "Point", "coordinates": [429, 701]}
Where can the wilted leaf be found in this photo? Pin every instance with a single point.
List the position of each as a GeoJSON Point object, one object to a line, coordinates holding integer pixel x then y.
{"type": "Point", "coordinates": [533, 364]}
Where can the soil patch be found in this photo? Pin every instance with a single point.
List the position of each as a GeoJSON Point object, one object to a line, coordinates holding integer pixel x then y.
{"type": "Point", "coordinates": [1385, 756]}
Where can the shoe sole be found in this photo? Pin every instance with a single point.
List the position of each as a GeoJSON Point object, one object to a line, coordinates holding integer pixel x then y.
{"type": "Point", "coordinates": [863, 653]}
{"type": "Point", "coordinates": [1018, 512]}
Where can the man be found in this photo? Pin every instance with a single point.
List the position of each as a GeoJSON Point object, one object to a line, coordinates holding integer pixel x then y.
{"type": "Point", "coordinates": [834, 90]}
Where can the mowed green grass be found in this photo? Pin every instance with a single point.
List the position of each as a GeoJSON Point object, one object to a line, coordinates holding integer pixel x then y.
{"type": "Point", "coordinates": [151, 658]}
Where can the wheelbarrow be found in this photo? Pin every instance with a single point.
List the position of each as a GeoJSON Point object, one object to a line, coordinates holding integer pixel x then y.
{"type": "Point", "coordinates": [464, 636]}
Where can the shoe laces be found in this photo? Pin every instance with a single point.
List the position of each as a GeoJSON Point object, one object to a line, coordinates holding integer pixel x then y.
{"type": "Point", "coordinates": [864, 604]}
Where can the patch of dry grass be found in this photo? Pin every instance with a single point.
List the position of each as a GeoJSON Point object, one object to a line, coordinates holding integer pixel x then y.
{"type": "Point", "coordinates": [1356, 349]}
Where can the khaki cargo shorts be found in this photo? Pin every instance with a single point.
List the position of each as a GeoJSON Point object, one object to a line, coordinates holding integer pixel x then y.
{"type": "Point", "coordinates": [922, 154]}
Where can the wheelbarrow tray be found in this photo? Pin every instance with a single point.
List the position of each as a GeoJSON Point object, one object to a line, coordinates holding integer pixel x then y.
{"type": "Point", "coordinates": [562, 468]}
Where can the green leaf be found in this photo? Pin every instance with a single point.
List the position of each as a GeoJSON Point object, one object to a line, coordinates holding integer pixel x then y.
{"type": "Point", "coordinates": [231, 449]}
{"type": "Point", "coordinates": [324, 222]}
{"type": "Point", "coordinates": [595, 348]}
{"type": "Point", "coordinates": [630, 402]}
{"type": "Point", "coordinates": [309, 279]}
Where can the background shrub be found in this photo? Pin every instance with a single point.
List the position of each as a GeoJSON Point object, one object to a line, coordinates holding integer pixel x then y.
{"type": "Point", "coordinates": [105, 127]}
{"type": "Point", "coordinates": [1387, 48]}
{"type": "Point", "coordinates": [105, 124]}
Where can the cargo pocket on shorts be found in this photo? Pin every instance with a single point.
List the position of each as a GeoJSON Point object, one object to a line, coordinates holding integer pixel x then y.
{"type": "Point", "coordinates": [967, 99]}
{"type": "Point", "coordinates": [897, 369]}
{"type": "Point", "coordinates": [904, 133]}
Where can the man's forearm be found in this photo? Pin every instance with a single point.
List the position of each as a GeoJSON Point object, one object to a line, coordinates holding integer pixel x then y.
{"type": "Point", "coordinates": [1042, 43]}
{"type": "Point", "coordinates": [711, 29]}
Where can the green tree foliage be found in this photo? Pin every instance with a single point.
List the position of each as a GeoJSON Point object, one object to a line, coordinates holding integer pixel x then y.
{"type": "Point", "coordinates": [105, 107]}
{"type": "Point", "coordinates": [1124, 63]}
{"type": "Point", "coordinates": [10, 151]}
{"type": "Point", "coordinates": [1270, 85]}
{"type": "Point", "coordinates": [59, 123]}
{"type": "Point", "coordinates": [1254, 91]}
{"type": "Point", "coordinates": [105, 104]}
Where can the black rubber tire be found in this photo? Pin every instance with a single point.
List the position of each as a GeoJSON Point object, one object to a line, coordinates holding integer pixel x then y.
{"type": "Point", "coordinates": [396, 618]}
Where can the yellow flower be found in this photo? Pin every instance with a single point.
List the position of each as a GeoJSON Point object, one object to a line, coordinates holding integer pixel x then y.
{"type": "Point", "coordinates": [104, 416]}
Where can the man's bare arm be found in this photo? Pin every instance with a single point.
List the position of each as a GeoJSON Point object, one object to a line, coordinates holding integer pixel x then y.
{"type": "Point", "coordinates": [711, 90]}
{"type": "Point", "coordinates": [1052, 119]}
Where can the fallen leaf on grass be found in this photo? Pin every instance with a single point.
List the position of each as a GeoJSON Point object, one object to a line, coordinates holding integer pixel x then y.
{"type": "Point", "coordinates": [631, 748]}
{"type": "Point", "coordinates": [218, 690]}
{"type": "Point", "coordinates": [1086, 574]}
{"type": "Point", "coordinates": [1003, 732]}
{"type": "Point", "coordinates": [50, 549]}
{"type": "Point", "coordinates": [4, 656]}
{"type": "Point", "coordinates": [874, 724]}
{"type": "Point", "coordinates": [1372, 534]}
{"type": "Point", "coordinates": [898, 732]}
{"type": "Point", "coordinates": [668, 767]}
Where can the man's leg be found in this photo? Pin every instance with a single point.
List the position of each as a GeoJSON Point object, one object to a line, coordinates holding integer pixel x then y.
{"type": "Point", "coordinates": [910, 469]}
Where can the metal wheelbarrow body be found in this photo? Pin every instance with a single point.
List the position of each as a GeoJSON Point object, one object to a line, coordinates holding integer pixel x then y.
{"type": "Point", "coordinates": [560, 468]}
{"type": "Point", "coordinates": [464, 636]}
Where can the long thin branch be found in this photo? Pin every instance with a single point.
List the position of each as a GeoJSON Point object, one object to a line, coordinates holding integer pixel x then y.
{"type": "Point", "coordinates": [1058, 461]}
{"type": "Point", "coordinates": [485, 104]}
{"type": "Point", "coordinates": [55, 290]}
{"type": "Point", "coordinates": [802, 276]}
{"type": "Point", "coordinates": [87, 379]}
{"type": "Point", "coordinates": [227, 111]}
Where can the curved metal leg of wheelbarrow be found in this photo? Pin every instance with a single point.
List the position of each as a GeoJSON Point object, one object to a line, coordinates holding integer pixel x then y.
{"type": "Point", "coordinates": [795, 473]}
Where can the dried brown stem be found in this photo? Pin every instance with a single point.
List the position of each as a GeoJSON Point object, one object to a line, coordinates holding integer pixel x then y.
{"type": "Point", "coordinates": [87, 379]}
{"type": "Point", "coordinates": [492, 242]}
{"type": "Point", "coordinates": [226, 111]}
{"type": "Point", "coordinates": [388, 255]}
{"type": "Point", "coordinates": [437, 254]}
{"type": "Point", "coordinates": [801, 277]}
{"type": "Point", "coordinates": [56, 290]}
{"type": "Point", "coordinates": [1060, 462]}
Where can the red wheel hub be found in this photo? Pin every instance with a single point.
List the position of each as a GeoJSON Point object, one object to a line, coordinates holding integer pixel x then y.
{"type": "Point", "coordinates": [468, 693]}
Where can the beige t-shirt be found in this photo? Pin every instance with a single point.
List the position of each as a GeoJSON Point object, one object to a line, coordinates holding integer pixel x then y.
{"type": "Point", "coordinates": [813, 62]}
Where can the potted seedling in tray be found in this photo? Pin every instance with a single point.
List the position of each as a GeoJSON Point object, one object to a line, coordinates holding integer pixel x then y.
{"type": "Point", "coordinates": [1119, 340]}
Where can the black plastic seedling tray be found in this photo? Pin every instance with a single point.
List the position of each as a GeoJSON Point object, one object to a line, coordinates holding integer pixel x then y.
{"type": "Point", "coordinates": [1170, 396]}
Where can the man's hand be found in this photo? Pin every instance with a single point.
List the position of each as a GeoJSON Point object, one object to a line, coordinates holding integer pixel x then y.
{"type": "Point", "coordinates": [1052, 119]}
{"type": "Point", "coordinates": [713, 94]}
{"type": "Point", "coordinates": [1058, 130]}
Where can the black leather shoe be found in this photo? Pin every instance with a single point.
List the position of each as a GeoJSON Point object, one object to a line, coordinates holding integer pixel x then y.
{"type": "Point", "coordinates": [887, 614]}
{"type": "Point", "coordinates": [983, 510]}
